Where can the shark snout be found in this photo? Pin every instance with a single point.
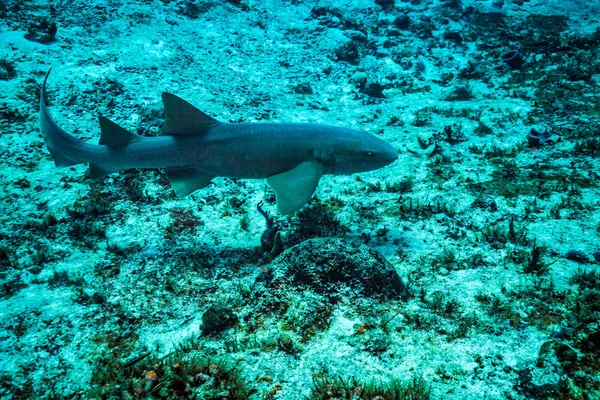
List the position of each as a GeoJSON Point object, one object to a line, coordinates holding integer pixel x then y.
{"type": "Point", "coordinates": [386, 154]}
{"type": "Point", "coordinates": [378, 155]}
{"type": "Point", "coordinates": [390, 154]}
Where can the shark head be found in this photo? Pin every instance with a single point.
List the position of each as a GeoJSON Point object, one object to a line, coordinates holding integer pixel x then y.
{"type": "Point", "coordinates": [333, 150]}
{"type": "Point", "coordinates": [354, 151]}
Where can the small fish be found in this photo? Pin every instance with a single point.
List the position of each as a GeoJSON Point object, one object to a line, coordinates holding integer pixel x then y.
{"type": "Point", "coordinates": [155, 388]}
{"type": "Point", "coordinates": [134, 361]}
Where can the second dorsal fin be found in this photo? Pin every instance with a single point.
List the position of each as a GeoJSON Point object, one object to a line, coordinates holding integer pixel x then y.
{"type": "Point", "coordinates": [182, 118]}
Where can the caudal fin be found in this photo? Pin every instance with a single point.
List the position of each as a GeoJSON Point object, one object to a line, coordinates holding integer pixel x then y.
{"type": "Point", "coordinates": [60, 144]}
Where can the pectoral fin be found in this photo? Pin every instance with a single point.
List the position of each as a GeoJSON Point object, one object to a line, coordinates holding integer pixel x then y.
{"type": "Point", "coordinates": [97, 172]}
{"type": "Point", "coordinates": [294, 188]}
{"type": "Point", "coordinates": [188, 180]}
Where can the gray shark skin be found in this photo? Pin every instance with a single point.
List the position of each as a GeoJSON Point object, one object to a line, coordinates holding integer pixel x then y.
{"type": "Point", "coordinates": [195, 148]}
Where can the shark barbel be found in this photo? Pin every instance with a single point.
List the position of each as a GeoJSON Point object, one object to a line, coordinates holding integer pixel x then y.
{"type": "Point", "coordinates": [194, 148]}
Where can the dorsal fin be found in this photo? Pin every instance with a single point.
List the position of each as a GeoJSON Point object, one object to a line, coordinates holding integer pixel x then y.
{"type": "Point", "coordinates": [113, 135]}
{"type": "Point", "coordinates": [182, 118]}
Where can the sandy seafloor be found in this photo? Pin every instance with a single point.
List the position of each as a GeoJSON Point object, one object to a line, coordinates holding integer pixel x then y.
{"type": "Point", "coordinates": [496, 240]}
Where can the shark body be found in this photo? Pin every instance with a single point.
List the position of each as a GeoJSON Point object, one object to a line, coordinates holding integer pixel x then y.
{"type": "Point", "coordinates": [194, 148]}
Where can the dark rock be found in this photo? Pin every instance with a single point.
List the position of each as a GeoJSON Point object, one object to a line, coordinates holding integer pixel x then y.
{"type": "Point", "coordinates": [385, 3]}
{"type": "Point", "coordinates": [454, 36]}
{"type": "Point", "coordinates": [7, 69]}
{"type": "Point", "coordinates": [457, 4]}
{"type": "Point", "coordinates": [12, 115]}
{"type": "Point", "coordinates": [42, 31]}
{"type": "Point", "coordinates": [373, 340]}
{"type": "Point", "coordinates": [373, 89]}
{"type": "Point", "coordinates": [286, 344]}
{"type": "Point", "coordinates": [485, 203]}
{"type": "Point", "coordinates": [192, 9]}
{"type": "Point", "coordinates": [577, 256]}
{"type": "Point", "coordinates": [331, 17]}
{"type": "Point", "coordinates": [402, 22]}
{"type": "Point", "coordinates": [472, 71]}
{"type": "Point", "coordinates": [459, 93]}
{"type": "Point", "coordinates": [348, 52]}
{"type": "Point", "coordinates": [514, 59]}
{"type": "Point", "coordinates": [217, 318]}
{"type": "Point", "coordinates": [356, 35]}
{"type": "Point", "coordinates": [151, 116]}
{"type": "Point", "coordinates": [239, 4]}
{"type": "Point", "coordinates": [593, 340]}
{"type": "Point", "coordinates": [319, 11]}
{"type": "Point", "coordinates": [303, 88]}
{"type": "Point", "coordinates": [328, 265]}
{"type": "Point", "coordinates": [565, 352]}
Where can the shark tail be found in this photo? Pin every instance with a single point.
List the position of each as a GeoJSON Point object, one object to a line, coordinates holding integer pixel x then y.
{"type": "Point", "coordinates": [62, 146]}
{"type": "Point", "coordinates": [67, 150]}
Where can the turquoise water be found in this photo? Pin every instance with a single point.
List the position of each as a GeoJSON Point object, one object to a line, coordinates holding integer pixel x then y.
{"type": "Point", "coordinates": [467, 268]}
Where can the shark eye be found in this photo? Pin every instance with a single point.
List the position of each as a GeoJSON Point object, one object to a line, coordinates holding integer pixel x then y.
{"type": "Point", "coordinates": [370, 153]}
